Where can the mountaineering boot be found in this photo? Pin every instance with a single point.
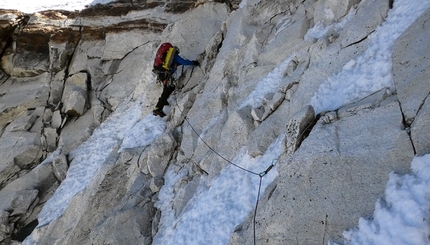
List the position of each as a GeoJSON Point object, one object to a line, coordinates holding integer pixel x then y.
{"type": "Point", "coordinates": [158, 112]}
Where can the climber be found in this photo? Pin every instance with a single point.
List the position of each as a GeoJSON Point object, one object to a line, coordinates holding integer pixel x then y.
{"type": "Point", "coordinates": [166, 61]}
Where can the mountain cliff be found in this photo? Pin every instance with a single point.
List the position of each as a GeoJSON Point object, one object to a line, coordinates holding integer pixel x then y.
{"type": "Point", "coordinates": [287, 133]}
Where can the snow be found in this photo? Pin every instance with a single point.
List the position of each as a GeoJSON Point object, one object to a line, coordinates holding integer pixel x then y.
{"type": "Point", "coordinates": [123, 129]}
{"type": "Point", "coordinates": [216, 211]}
{"type": "Point", "coordinates": [400, 218]}
{"type": "Point", "coordinates": [320, 30]}
{"type": "Point", "coordinates": [371, 71]}
{"type": "Point", "coordinates": [267, 85]}
{"type": "Point", "coordinates": [143, 133]}
{"type": "Point", "coordinates": [31, 6]}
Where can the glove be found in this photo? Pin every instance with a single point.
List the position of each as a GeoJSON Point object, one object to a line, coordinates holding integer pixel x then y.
{"type": "Point", "coordinates": [196, 63]}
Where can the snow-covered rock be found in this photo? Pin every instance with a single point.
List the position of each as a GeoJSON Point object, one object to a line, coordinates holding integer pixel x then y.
{"type": "Point", "coordinates": [319, 100]}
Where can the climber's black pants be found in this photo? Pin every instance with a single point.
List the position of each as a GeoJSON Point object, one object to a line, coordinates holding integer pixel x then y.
{"type": "Point", "coordinates": [162, 101]}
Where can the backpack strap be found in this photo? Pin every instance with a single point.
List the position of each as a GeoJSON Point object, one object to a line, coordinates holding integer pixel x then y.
{"type": "Point", "coordinates": [168, 60]}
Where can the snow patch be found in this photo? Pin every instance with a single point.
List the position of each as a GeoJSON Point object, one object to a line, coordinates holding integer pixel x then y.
{"type": "Point", "coordinates": [212, 214]}
{"type": "Point", "coordinates": [371, 71]}
{"type": "Point", "coordinates": [402, 218]}
{"type": "Point", "coordinates": [31, 6]}
{"type": "Point", "coordinates": [143, 132]}
{"type": "Point", "coordinates": [269, 84]}
{"type": "Point", "coordinates": [123, 126]}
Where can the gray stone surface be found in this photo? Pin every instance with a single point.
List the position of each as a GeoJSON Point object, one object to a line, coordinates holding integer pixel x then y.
{"type": "Point", "coordinates": [56, 120]}
{"type": "Point", "coordinates": [333, 179]}
{"type": "Point", "coordinates": [328, 11]}
{"type": "Point", "coordinates": [76, 131]}
{"type": "Point", "coordinates": [367, 17]}
{"type": "Point", "coordinates": [60, 166]}
{"type": "Point", "coordinates": [330, 173]}
{"type": "Point", "coordinates": [5, 227]}
{"type": "Point", "coordinates": [159, 155]}
{"type": "Point", "coordinates": [51, 136]}
{"type": "Point", "coordinates": [420, 134]}
{"type": "Point", "coordinates": [75, 95]}
{"type": "Point", "coordinates": [411, 59]}
{"type": "Point", "coordinates": [19, 150]}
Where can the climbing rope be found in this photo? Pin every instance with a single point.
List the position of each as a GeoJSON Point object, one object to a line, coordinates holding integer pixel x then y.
{"type": "Point", "coordinates": [261, 174]}
{"type": "Point", "coordinates": [215, 152]}
{"type": "Point", "coordinates": [256, 206]}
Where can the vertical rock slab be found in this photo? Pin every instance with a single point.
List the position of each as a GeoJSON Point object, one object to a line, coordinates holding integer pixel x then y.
{"type": "Point", "coordinates": [332, 179]}
{"type": "Point", "coordinates": [420, 133]}
{"type": "Point", "coordinates": [411, 62]}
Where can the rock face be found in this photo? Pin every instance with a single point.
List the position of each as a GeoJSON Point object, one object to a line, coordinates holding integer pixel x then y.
{"type": "Point", "coordinates": [64, 73]}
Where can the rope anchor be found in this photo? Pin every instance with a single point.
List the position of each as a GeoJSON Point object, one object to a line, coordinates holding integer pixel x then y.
{"type": "Point", "coordinates": [262, 174]}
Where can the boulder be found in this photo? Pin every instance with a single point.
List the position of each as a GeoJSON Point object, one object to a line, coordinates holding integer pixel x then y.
{"type": "Point", "coordinates": [182, 107]}
{"type": "Point", "coordinates": [125, 75]}
{"type": "Point", "coordinates": [51, 137]}
{"type": "Point", "coordinates": [61, 47]}
{"type": "Point", "coordinates": [84, 52]}
{"type": "Point", "coordinates": [297, 126]}
{"type": "Point", "coordinates": [257, 113]}
{"type": "Point", "coordinates": [30, 57]}
{"type": "Point", "coordinates": [57, 87]}
{"type": "Point", "coordinates": [119, 188]}
{"type": "Point", "coordinates": [232, 135]}
{"type": "Point", "coordinates": [26, 64]}
{"type": "Point", "coordinates": [9, 20]}
{"type": "Point", "coordinates": [57, 119]}
{"type": "Point", "coordinates": [60, 166]}
{"type": "Point", "coordinates": [75, 95]}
